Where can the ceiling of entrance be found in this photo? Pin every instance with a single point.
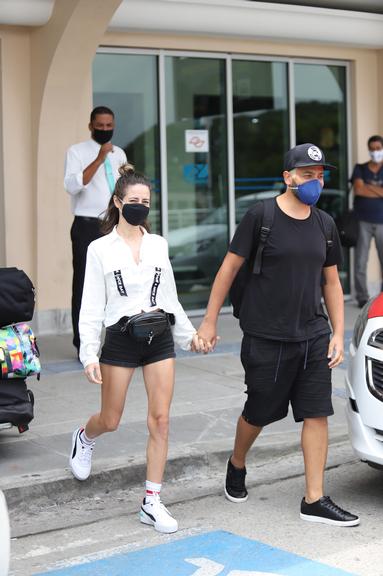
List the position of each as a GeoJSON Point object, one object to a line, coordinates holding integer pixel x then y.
{"type": "Point", "coordinates": [357, 23]}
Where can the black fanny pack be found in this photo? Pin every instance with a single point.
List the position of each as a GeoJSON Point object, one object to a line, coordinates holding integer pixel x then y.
{"type": "Point", "coordinates": [146, 325]}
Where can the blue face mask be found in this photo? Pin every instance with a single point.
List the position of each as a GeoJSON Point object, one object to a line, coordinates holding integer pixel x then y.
{"type": "Point", "coordinates": [308, 192]}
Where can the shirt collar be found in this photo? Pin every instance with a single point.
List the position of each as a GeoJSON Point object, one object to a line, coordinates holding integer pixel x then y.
{"type": "Point", "coordinates": [94, 144]}
{"type": "Point", "coordinates": [114, 235]}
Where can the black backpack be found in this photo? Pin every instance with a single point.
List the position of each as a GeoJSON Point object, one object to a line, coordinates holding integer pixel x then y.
{"type": "Point", "coordinates": [348, 228]}
{"type": "Point", "coordinates": [264, 221]}
{"type": "Point", "coordinates": [17, 296]}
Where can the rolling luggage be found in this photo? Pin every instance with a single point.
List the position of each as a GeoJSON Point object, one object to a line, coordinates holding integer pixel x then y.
{"type": "Point", "coordinates": [16, 403]}
{"type": "Point", "coordinates": [19, 355]}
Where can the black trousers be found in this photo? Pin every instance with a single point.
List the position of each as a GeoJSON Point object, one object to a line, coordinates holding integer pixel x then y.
{"type": "Point", "coordinates": [83, 231]}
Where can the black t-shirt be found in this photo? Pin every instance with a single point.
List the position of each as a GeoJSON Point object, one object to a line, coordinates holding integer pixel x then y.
{"type": "Point", "coordinates": [283, 302]}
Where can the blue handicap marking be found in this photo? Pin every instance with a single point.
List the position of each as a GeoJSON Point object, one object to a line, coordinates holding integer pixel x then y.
{"type": "Point", "coordinates": [213, 554]}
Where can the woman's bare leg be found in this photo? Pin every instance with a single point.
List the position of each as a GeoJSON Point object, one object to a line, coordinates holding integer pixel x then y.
{"type": "Point", "coordinates": [115, 383]}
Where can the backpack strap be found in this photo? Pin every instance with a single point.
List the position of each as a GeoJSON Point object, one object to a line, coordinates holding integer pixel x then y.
{"type": "Point", "coordinates": [266, 223]}
{"type": "Point", "coordinates": [326, 224]}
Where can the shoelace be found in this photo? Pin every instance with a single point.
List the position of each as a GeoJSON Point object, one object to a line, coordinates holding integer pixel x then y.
{"type": "Point", "coordinates": [332, 506]}
{"type": "Point", "coordinates": [85, 453]}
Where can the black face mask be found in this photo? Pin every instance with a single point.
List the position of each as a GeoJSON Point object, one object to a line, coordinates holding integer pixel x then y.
{"type": "Point", "coordinates": [135, 214]}
{"type": "Point", "coordinates": [102, 136]}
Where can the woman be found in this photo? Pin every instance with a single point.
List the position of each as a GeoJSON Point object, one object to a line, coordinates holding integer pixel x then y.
{"type": "Point", "coordinates": [127, 272]}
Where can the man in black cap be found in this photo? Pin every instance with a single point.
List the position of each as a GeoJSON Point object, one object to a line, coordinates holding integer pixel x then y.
{"type": "Point", "coordinates": [288, 349]}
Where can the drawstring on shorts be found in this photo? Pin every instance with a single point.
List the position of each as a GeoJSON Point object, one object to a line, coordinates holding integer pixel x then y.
{"type": "Point", "coordinates": [280, 358]}
{"type": "Point", "coordinates": [306, 354]}
{"type": "Point", "coordinates": [279, 361]}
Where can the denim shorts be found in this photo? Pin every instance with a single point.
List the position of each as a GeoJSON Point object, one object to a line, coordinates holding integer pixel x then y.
{"type": "Point", "coordinates": [281, 373]}
{"type": "Point", "coordinates": [120, 349]}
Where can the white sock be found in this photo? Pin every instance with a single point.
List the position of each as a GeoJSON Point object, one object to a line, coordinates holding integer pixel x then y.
{"type": "Point", "coordinates": [152, 489]}
{"type": "Point", "coordinates": [84, 438]}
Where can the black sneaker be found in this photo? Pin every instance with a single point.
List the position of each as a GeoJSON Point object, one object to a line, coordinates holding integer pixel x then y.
{"type": "Point", "coordinates": [235, 489]}
{"type": "Point", "coordinates": [324, 510]}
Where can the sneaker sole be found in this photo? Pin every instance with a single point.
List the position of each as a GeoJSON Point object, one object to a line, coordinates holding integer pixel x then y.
{"type": "Point", "coordinates": [163, 529]}
{"type": "Point", "coordinates": [75, 474]}
{"type": "Point", "coordinates": [329, 521]}
{"type": "Point", "coordinates": [236, 500]}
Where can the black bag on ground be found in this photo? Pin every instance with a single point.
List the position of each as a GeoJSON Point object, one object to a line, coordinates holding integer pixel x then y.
{"type": "Point", "coordinates": [348, 227]}
{"type": "Point", "coordinates": [17, 296]}
{"type": "Point", "coordinates": [16, 403]}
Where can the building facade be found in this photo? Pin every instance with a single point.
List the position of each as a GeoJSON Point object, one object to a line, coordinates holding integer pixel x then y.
{"type": "Point", "coordinates": [208, 96]}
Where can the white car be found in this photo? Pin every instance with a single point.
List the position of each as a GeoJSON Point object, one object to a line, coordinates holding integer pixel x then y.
{"type": "Point", "coordinates": [4, 537]}
{"type": "Point", "coordinates": [364, 384]}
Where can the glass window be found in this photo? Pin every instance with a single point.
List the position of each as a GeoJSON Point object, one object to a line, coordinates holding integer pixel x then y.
{"type": "Point", "coordinates": [261, 130]}
{"type": "Point", "coordinates": [128, 84]}
{"type": "Point", "coordinates": [196, 143]}
{"type": "Point", "coordinates": [320, 109]}
{"type": "Point", "coordinates": [197, 173]}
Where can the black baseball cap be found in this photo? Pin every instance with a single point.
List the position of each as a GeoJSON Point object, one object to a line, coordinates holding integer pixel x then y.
{"type": "Point", "coordinates": [305, 155]}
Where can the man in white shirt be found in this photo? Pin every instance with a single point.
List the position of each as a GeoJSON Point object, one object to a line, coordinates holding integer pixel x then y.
{"type": "Point", "coordinates": [91, 170]}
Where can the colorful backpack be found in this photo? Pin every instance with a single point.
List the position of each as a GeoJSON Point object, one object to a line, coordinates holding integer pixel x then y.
{"type": "Point", "coordinates": [19, 354]}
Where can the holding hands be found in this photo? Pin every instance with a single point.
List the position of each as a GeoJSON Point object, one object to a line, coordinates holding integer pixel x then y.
{"type": "Point", "coordinates": [205, 338]}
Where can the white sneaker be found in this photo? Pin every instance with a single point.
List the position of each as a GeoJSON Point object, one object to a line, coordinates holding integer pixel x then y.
{"type": "Point", "coordinates": [80, 459]}
{"type": "Point", "coordinates": [154, 513]}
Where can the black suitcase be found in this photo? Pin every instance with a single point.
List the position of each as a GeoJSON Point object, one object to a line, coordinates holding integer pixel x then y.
{"type": "Point", "coordinates": [16, 403]}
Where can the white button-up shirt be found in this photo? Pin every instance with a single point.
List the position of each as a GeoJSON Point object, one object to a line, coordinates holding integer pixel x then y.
{"type": "Point", "coordinates": [92, 199]}
{"type": "Point", "coordinates": [116, 286]}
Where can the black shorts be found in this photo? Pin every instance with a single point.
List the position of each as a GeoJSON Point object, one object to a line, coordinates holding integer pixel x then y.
{"type": "Point", "coordinates": [278, 373]}
{"type": "Point", "coordinates": [120, 349]}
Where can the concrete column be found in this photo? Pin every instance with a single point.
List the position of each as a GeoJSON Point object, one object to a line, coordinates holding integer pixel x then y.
{"type": "Point", "coordinates": [61, 53]}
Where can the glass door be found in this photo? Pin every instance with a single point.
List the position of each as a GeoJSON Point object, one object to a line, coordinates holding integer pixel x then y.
{"type": "Point", "coordinates": [128, 84]}
{"type": "Point", "coordinates": [321, 118]}
{"type": "Point", "coordinates": [266, 113]}
{"type": "Point", "coordinates": [197, 173]}
{"type": "Point", "coordinates": [261, 130]}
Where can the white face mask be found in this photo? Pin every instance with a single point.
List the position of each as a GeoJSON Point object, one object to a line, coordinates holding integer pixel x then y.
{"type": "Point", "coordinates": [376, 156]}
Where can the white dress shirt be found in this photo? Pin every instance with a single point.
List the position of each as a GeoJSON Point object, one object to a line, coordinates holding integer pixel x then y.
{"type": "Point", "coordinates": [90, 199]}
{"type": "Point", "coordinates": [116, 286]}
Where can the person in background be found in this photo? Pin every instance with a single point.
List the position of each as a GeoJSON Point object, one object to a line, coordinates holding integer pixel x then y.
{"type": "Point", "coordinates": [91, 171]}
{"type": "Point", "coordinates": [288, 349]}
{"type": "Point", "coordinates": [367, 181]}
{"type": "Point", "coordinates": [128, 271]}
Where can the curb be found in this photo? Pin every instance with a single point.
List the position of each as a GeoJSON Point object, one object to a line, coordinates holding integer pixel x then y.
{"type": "Point", "coordinates": [59, 487]}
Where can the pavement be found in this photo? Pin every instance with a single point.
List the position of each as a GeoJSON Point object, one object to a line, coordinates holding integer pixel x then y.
{"type": "Point", "coordinates": [209, 395]}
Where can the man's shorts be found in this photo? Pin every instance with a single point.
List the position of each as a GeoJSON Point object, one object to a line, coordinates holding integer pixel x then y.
{"type": "Point", "coordinates": [120, 349]}
{"type": "Point", "coordinates": [278, 373]}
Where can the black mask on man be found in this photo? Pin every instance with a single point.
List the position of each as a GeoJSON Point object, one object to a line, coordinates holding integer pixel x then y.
{"type": "Point", "coordinates": [102, 136]}
{"type": "Point", "coordinates": [135, 214]}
